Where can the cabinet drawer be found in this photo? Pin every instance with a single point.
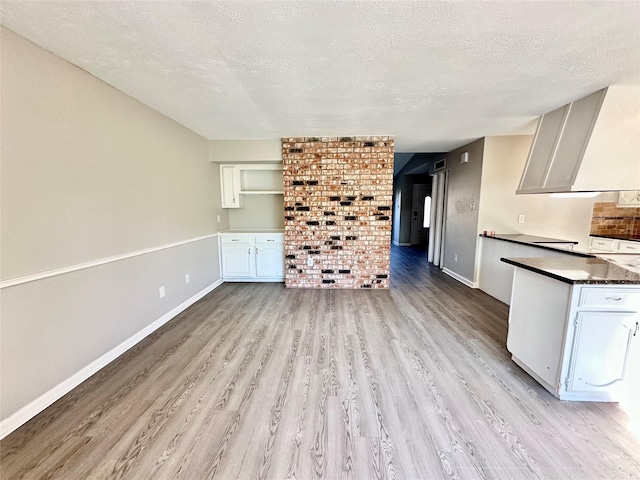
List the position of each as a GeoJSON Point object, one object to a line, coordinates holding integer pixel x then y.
{"type": "Point", "coordinates": [230, 239]}
{"type": "Point", "coordinates": [610, 299]}
{"type": "Point", "coordinates": [629, 247]}
{"type": "Point", "coordinates": [606, 244]}
{"type": "Point", "coordinates": [270, 238]}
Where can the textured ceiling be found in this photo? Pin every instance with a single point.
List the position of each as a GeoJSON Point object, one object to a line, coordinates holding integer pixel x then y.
{"type": "Point", "coordinates": [434, 74]}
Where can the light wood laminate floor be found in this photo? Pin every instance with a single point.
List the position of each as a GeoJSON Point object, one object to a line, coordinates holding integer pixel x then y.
{"type": "Point", "coordinates": [259, 382]}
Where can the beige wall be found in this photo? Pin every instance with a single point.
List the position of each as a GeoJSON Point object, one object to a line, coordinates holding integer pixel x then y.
{"type": "Point", "coordinates": [90, 173]}
{"type": "Point", "coordinates": [258, 211]}
{"type": "Point", "coordinates": [462, 221]}
{"type": "Point", "coordinates": [245, 151]}
{"type": "Point", "coordinates": [564, 218]}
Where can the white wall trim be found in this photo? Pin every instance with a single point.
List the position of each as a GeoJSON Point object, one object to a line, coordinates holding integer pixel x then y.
{"type": "Point", "coordinates": [94, 263]}
{"type": "Point", "coordinates": [398, 244]}
{"type": "Point", "coordinates": [460, 278]}
{"type": "Point", "coordinates": [30, 410]}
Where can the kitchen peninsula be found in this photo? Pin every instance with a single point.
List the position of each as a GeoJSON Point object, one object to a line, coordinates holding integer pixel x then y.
{"type": "Point", "coordinates": [496, 278]}
{"type": "Point", "coordinates": [573, 324]}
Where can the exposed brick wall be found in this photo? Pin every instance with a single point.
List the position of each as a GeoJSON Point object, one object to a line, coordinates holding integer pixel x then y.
{"type": "Point", "coordinates": [337, 200]}
{"type": "Point", "coordinates": [609, 219]}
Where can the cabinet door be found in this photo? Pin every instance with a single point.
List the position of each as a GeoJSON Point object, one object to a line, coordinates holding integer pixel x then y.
{"type": "Point", "coordinates": [230, 186]}
{"type": "Point", "coordinates": [269, 261]}
{"type": "Point", "coordinates": [629, 198]}
{"type": "Point", "coordinates": [237, 261]}
{"type": "Point", "coordinates": [601, 343]}
{"type": "Point", "coordinates": [542, 149]}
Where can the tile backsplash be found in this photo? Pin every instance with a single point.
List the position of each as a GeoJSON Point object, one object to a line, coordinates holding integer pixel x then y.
{"type": "Point", "coordinates": [609, 219]}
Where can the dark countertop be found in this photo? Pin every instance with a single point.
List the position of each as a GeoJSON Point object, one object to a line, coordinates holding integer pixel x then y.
{"type": "Point", "coordinates": [630, 238]}
{"type": "Point", "coordinates": [590, 271]}
{"type": "Point", "coordinates": [540, 242]}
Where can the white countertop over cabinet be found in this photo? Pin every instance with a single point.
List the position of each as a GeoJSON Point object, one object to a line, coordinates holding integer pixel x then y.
{"type": "Point", "coordinates": [252, 256]}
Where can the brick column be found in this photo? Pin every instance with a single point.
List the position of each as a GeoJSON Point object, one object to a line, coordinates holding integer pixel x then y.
{"type": "Point", "coordinates": [337, 200]}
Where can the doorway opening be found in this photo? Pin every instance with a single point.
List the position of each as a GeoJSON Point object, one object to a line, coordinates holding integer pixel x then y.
{"type": "Point", "coordinates": [414, 223]}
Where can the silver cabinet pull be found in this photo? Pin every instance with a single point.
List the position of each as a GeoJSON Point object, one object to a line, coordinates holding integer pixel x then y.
{"type": "Point", "coordinates": [249, 250]}
{"type": "Point", "coordinates": [615, 299]}
{"type": "Point", "coordinates": [256, 250]}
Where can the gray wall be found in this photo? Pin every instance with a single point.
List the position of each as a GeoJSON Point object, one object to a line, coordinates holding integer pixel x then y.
{"type": "Point", "coordinates": [461, 233]}
{"type": "Point", "coordinates": [89, 175]}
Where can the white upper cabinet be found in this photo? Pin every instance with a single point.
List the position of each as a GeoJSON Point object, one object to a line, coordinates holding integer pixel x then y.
{"type": "Point", "coordinates": [249, 179]}
{"type": "Point", "coordinates": [230, 186]}
{"type": "Point", "coordinates": [592, 144]}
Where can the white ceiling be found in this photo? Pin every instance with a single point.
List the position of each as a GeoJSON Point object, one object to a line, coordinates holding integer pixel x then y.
{"type": "Point", "coordinates": [434, 74]}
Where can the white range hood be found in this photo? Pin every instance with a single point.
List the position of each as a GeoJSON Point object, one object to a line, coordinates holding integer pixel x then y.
{"type": "Point", "coordinates": [590, 145]}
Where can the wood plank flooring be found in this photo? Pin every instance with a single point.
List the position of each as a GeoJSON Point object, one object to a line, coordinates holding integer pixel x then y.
{"type": "Point", "coordinates": [259, 382]}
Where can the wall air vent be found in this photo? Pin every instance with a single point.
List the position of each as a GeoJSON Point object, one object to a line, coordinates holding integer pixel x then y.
{"type": "Point", "coordinates": [439, 165]}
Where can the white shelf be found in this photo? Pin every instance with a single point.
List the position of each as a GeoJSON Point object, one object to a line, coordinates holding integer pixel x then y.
{"type": "Point", "coordinates": [261, 192]}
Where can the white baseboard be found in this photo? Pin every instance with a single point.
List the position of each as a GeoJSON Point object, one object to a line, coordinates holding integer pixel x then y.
{"type": "Point", "coordinates": [254, 280]}
{"type": "Point", "coordinates": [30, 410]}
{"type": "Point", "coordinates": [398, 244]}
{"type": "Point", "coordinates": [460, 278]}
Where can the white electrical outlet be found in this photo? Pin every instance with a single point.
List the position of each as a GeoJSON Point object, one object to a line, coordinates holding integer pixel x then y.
{"type": "Point", "coordinates": [161, 291]}
{"type": "Point", "coordinates": [520, 218]}
{"type": "Point", "coordinates": [472, 205]}
{"type": "Point", "coordinates": [455, 258]}
{"type": "Point", "coordinates": [187, 278]}
{"type": "Point", "coordinates": [218, 218]}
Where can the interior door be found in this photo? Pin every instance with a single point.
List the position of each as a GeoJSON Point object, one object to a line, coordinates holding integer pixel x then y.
{"type": "Point", "coordinates": [419, 234]}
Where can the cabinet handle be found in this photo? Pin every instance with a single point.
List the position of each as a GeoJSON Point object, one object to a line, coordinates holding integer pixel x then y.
{"type": "Point", "coordinates": [235, 240]}
{"type": "Point", "coordinates": [256, 250]}
{"type": "Point", "coordinates": [249, 250]}
{"type": "Point", "coordinates": [234, 199]}
{"type": "Point", "coordinates": [635, 330]}
{"type": "Point", "coordinates": [272, 241]}
{"type": "Point", "coordinates": [615, 299]}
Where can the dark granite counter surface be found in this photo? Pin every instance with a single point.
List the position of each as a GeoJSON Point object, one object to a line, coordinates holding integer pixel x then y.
{"type": "Point", "coordinates": [612, 270]}
{"type": "Point", "coordinates": [564, 246]}
{"type": "Point", "coordinates": [630, 238]}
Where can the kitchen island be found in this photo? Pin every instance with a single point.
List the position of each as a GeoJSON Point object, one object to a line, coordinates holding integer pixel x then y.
{"type": "Point", "coordinates": [573, 325]}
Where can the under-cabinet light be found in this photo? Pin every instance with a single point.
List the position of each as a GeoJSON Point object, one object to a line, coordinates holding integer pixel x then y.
{"type": "Point", "coordinates": [575, 195]}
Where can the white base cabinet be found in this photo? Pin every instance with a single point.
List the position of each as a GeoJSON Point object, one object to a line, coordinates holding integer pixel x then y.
{"type": "Point", "coordinates": [612, 245]}
{"type": "Point", "coordinates": [578, 341]}
{"type": "Point", "coordinates": [252, 257]}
